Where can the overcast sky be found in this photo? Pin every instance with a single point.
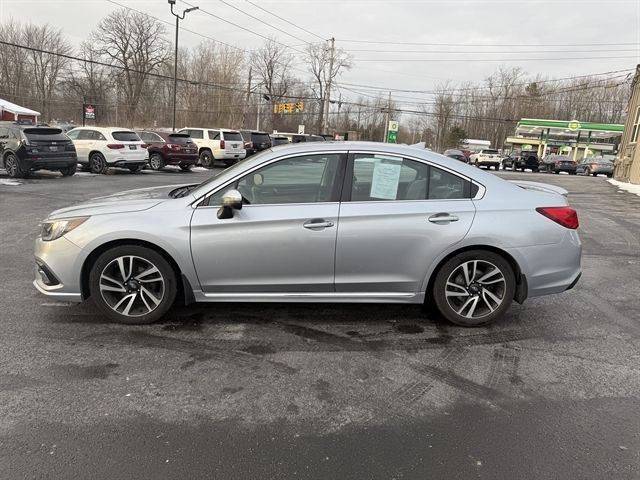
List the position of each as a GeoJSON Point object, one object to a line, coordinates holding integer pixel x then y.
{"type": "Point", "coordinates": [528, 31]}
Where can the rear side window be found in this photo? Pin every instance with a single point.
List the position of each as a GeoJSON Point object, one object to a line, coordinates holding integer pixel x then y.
{"type": "Point", "coordinates": [125, 136]}
{"type": "Point", "coordinates": [383, 178]}
{"type": "Point", "coordinates": [45, 135]}
{"type": "Point", "coordinates": [232, 136]}
{"type": "Point", "coordinates": [199, 134]}
{"type": "Point", "coordinates": [490, 152]}
{"type": "Point", "coordinates": [214, 135]}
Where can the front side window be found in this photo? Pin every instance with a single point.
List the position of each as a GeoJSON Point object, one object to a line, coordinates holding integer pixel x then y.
{"type": "Point", "coordinates": [386, 178]}
{"type": "Point", "coordinates": [302, 179]}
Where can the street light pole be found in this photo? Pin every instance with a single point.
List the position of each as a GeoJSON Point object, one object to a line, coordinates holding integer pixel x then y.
{"type": "Point", "coordinates": [175, 60]}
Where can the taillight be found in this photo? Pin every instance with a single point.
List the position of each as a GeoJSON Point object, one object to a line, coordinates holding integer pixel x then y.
{"type": "Point", "coordinates": [144, 145]}
{"type": "Point", "coordinates": [173, 146]}
{"type": "Point", "coordinates": [565, 216]}
{"type": "Point", "coordinates": [222, 144]}
{"type": "Point", "coordinates": [115, 146]}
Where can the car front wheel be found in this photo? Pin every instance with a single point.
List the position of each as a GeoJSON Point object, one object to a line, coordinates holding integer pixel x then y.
{"type": "Point", "coordinates": [132, 284]}
{"type": "Point", "coordinates": [474, 288]}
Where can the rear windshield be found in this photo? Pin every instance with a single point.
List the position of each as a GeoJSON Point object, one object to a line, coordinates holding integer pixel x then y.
{"type": "Point", "coordinates": [490, 152]}
{"type": "Point", "coordinates": [179, 138]}
{"type": "Point", "coordinates": [260, 138]}
{"type": "Point", "coordinates": [125, 136]}
{"type": "Point", "coordinates": [45, 134]}
{"type": "Point", "coordinates": [232, 136]}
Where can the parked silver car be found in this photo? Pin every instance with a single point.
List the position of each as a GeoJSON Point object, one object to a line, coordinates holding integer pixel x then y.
{"type": "Point", "coordinates": [317, 222]}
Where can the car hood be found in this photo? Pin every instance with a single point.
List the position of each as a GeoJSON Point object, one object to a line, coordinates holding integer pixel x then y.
{"type": "Point", "coordinates": [121, 202]}
{"type": "Point", "coordinates": [540, 187]}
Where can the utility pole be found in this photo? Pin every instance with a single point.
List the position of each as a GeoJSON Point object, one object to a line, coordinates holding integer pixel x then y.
{"type": "Point", "coordinates": [386, 120]}
{"type": "Point", "coordinates": [327, 93]}
{"type": "Point", "coordinates": [175, 59]}
{"type": "Point", "coordinates": [246, 103]}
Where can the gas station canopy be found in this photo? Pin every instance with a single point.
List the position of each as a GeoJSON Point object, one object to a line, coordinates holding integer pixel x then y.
{"type": "Point", "coordinates": [572, 137]}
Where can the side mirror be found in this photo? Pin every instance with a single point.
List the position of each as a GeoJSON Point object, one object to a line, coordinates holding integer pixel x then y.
{"type": "Point", "coordinates": [231, 200]}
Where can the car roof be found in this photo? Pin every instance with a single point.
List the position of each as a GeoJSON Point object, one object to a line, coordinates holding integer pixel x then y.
{"type": "Point", "coordinates": [105, 129]}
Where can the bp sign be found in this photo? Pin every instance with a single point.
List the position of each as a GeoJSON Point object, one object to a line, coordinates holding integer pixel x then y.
{"type": "Point", "coordinates": [574, 125]}
{"type": "Point", "coordinates": [392, 132]}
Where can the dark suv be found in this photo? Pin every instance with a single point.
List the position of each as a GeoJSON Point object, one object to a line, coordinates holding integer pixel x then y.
{"type": "Point", "coordinates": [521, 161]}
{"type": "Point", "coordinates": [26, 148]}
{"type": "Point", "coordinates": [170, 149]}
{"type": "Point", "coordinates": [255, 141]}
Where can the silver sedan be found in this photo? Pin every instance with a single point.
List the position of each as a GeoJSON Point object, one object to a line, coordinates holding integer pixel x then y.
{"type": "Point", "coordinates": [334, 222]}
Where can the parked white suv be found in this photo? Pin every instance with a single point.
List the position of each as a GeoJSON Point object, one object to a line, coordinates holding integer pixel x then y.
{"type": "Point", "coordinates": [486, 158]}
{"type": "Point", "coordinates": [100, 148]}
{"type": "Point", "coordinates": [217, 143]}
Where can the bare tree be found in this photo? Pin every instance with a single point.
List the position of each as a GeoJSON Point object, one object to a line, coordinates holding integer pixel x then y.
{"type": "Point", "coordinates": [134, 42]}
{"type": "Point", "coordinates": [15, 67]}
{"type": "Point", "coordinates": [271, 64]}
{"type": "Point", "coordinates": [325, 64]}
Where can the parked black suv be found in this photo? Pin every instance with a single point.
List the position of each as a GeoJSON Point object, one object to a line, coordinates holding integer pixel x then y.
{"type": "Point", "coordinates": [255, 141]}
{"type": "Point", "coordinates": [25, 148]}
{"type": "Point", "coordinates": [521, 161]}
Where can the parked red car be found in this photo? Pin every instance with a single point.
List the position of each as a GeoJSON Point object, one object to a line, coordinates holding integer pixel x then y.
{"type": "Point", "coordinates": [170, 149]}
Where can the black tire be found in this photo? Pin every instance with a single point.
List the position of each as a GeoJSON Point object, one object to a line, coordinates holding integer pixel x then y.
{"type": "Point", "coordinates": [135, 168]}
{"type": "Point", "coordinates": [156, 162]}
{"type": "Point", "coordinates": [609, 175]}
{"type": "Point", "coordinates": [452, 272]}
{"type": "Point", "coordinates": [70, 171]}
{"type": "Point", "coordinates": [186, 167]}
{"type": "Point", "coordinates": [12, 165]}
{"type": "Point", "coordinates": [206, 158]}
{"type": "Point", "coordinates": [594, 174]}
{"type": "Point", "coordinates": [572, 173]}
{"type": "Point", "coordinates": [522, 169]}
{"type": "Point", "coordinates": [84, 167]}
{"type": "Point", "coordinates": [97, 163]}
{"type": "Point", "coordinates": [107, 300]}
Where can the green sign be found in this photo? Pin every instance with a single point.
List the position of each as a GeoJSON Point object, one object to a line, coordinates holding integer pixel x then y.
{"type": "Point", "coordinates": [392, 137]}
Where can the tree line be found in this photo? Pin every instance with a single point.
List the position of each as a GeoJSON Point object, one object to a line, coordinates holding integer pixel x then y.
{"type": "Point", "coordinates": [125, 68]}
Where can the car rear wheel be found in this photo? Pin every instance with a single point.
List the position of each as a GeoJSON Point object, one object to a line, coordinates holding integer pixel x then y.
{"type": "Point", "coordinates": [12, 165]}
{"type": "Point", "coordinates": [156, 162]}
{"type": "Point", "coordinates": [186, 167]}
{"type": "Point", "coordinates": [206, 158]}
{"type": "Point", "coordinates": [132, 284]}
{"type": "Point", "coordinates": [69, 171]}
{"type": "Point", "coordinates": [97, 163]}
{"type": "Point", "coordinates": [474, 288]}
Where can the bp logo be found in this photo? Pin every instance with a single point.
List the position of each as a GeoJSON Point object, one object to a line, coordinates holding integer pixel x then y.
{"type": "Point", "coordinates": [574, 125]}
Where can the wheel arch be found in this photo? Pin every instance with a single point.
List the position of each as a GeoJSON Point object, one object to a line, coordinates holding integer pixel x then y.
{"type": "Point", "coordinates": [522, 288]}
{"type": "Point", "coordinates": [185, 291]}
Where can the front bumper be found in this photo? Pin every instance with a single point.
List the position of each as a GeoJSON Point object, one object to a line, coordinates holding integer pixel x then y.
{"type": "Point", "coordinates": [58, 267]}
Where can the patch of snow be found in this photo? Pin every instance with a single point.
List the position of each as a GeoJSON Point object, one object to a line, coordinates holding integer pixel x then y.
{"type": "Point", "coordinates": [629, 187]}
{"type": "Point", "coordinates": [12, 183]}
{"type": "Point", "coordinates": [200, 169]}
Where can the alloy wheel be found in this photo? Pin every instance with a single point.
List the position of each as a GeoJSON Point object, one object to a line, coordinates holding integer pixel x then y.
{"type": "Point", "coordinates": [475, 289]}
{"type": "Point", "coordinates": [156, 162]}
{"type": "Point", "coordinates": [132, 286]}
{"type": "Point", "coordinates": [11, 165]}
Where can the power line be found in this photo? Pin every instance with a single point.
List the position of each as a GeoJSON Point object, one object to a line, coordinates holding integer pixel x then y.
{"type": "Point", "coordinates": [286, 21]}
{"type": "Point", "coordinates": [376, 42]}
{"type": "Point", "coordinates": [467, 60]}
{"type": "Point", "coordinates": [261, 21]}
{"type": "Point", "coordinates": [476, 52]}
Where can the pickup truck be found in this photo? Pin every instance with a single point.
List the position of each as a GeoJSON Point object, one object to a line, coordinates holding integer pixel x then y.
{"type": "Point", "coordinates": [486, 158]}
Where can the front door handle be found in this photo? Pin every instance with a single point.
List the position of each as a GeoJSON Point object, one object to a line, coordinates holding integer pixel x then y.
{"type": "Point", "coordinates": [443, 217]}
{"type": "Point", "coordinates": [317, 223]}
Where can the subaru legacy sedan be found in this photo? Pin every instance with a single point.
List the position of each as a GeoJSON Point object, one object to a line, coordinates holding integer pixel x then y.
{"type": "Point", "coordinates": [317, 222]}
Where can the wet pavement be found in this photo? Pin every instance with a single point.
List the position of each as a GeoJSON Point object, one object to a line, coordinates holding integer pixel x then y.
{"type": "Point", "coordinates": [322, 391]}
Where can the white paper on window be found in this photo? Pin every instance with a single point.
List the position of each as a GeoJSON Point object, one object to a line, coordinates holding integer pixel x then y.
{"type": "Point", "coordinates": [385, 181]}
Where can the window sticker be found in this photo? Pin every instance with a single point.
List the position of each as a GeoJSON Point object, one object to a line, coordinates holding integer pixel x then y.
{"type": "Point", "coordinates": [386, 178]}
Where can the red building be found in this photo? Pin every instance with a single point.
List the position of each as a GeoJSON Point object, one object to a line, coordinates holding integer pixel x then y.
{"type": "Point", "coordinates": [12, 113]}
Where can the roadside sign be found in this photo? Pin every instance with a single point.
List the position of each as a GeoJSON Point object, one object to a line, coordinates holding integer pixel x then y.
{"type": "Point", "coordinates": [291, 107]}
{"type": "Point", "coordinates": [392, 132]}
{"type": "Point", "coordinates": [393, 126]}
{"type": "Point", "coordinates": [89, 111]}
{"type": "Point", "coordinates": [300, 129]}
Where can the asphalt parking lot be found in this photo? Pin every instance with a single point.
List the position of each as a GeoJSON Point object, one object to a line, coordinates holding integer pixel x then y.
{"type": "Point", "coordinates": [317, 391]}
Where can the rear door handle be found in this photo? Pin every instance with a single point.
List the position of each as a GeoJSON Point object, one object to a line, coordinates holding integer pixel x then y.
{"type": "Point", "coordinates": [443, 217]}
{"type": "Point", "coordinates": [317, 223]}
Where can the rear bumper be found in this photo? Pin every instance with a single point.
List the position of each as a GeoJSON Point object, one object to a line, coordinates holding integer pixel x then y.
{"type": "Point", "coordinates": [552, 268]}
{"type": "Point", "coordinates": [48, 162]}
{"type": "Point", "coordinates": [181, 158]}
{"type": "Point", "coordinates": [229, 155]}
{"type": "Point", "coordinates": [562, 168]}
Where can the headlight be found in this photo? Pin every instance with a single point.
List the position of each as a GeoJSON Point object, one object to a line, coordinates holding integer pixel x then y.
{"type": "Point", "coordinates": [51, 230]}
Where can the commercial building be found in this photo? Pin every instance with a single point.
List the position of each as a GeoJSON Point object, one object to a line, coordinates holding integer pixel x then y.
{"type": "Point", "coordinates": [628, 159]}
{"type": "Point", "coordinates": [15, 113]}
{"type": "Point", "coordinates": [567, 137]}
